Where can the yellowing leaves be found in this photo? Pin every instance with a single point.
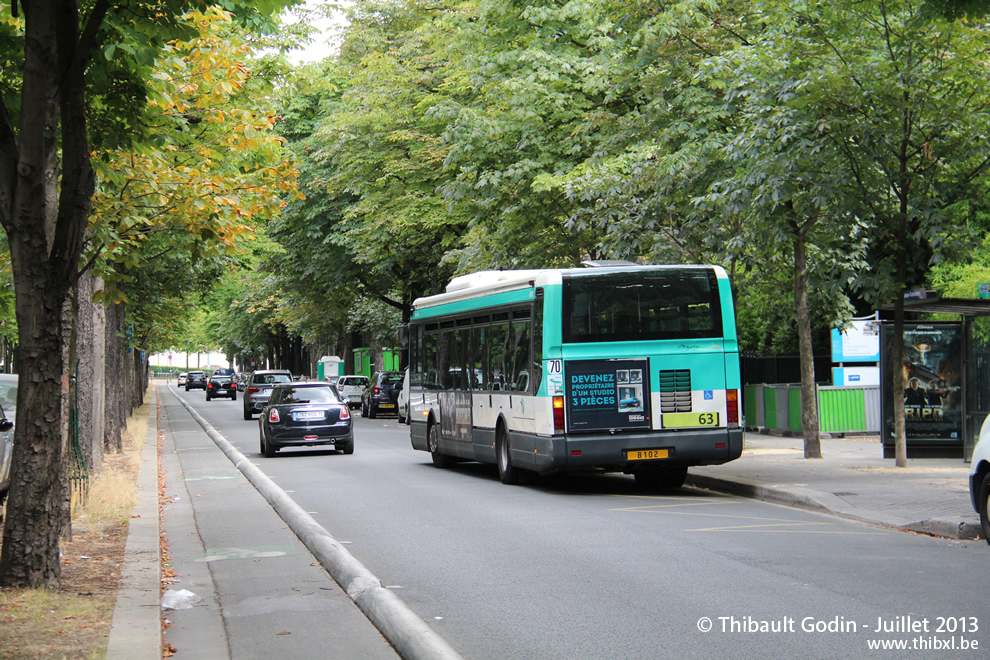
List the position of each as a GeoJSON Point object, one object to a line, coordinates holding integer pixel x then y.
{"type": "Point", "coordinates": [209, 172]}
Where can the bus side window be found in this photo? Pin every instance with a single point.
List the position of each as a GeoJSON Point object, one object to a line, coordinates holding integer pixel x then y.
{"type": "Point", "coordinates": [537, 357]}
{"type": "Point", "coordinates": [495, 376]}
{"type": "Point", "coordinates": [520, 355]}
{"type": "Point", "coordinates": [445, 357]}
{"type": "Point", "coordinates": [429, 361]}
{"type": "Point", "coordinates": [477, 357]}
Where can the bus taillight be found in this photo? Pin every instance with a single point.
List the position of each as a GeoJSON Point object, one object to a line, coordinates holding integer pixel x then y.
{"type": "Point", "coordinates": [558, 413]}
{"type": "Point", "coordinates": [732, 406]}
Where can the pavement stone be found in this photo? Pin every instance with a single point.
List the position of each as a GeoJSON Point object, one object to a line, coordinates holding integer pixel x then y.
{"type": "Point", "coordinates": [852, 480]}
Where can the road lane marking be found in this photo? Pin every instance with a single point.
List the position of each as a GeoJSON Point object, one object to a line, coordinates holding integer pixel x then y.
{"type": "Point", "coordinates": [762, 524]}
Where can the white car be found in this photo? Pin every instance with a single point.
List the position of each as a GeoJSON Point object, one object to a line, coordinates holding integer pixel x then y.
{"type": "Point", "coordinates": [403, 402]}
{"type": "Point", "coordinates": [979, 478]}
{"type": "Point", "coordinates": [351, 388]}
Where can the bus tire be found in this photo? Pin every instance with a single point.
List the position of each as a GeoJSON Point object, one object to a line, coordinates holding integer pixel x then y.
{"type": "Point", "coordinates": [655, 479]}
{"type": "Point", "coordinates": [433, 444]}
{"type": "Point", "coordinates": [506, 471]}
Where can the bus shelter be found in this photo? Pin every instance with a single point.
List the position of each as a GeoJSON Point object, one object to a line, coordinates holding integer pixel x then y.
{"type": "Point", "coordinates": [975, 378]}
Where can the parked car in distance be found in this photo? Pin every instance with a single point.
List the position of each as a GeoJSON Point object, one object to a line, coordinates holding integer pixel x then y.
{"type": "Point", "coordinates": [381, 394]}
{"type": "Point", "coordinates": [221, 385]}
{"type": "Point", "coordinates": [8, 411]}
{"type": "Point", "coordinates": [259, 388]}
{"type": "Point", "coordinates": [305, 414]}
{"type": "Point", "coordinates": [351, 388]}
{"type": "Point", "coordinates": [181, 381]}
{"type": "Point", "coordinates": [196, 380]}
{"type": "Point", "coordinates": [223, 371]}
{"type": "Point", "coordinates": [979, 478]}
{"type": "Point", "coordinates": [242, 379]}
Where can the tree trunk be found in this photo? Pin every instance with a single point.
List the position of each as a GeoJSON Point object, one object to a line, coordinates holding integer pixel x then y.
{"type": "Point", "coordinates": [809, 394]}
{"type": "Point", "coordinates": [114, 410]}
{"type": "Point", "coordinates": [45, 244]}
{"type": "Point", "coordinates": [90, 343]}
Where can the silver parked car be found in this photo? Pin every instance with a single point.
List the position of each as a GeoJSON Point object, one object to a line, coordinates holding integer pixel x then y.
{"type": "Point", "coordinates": [259, 388]}
{"type": "Point", "coordinates": [351, 388]}
{"type": "Point", "coordinates": [8, 410]}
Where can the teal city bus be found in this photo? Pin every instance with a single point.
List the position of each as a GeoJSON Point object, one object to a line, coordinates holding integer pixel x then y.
{"type": "Point", "coordinates": [616, 368]}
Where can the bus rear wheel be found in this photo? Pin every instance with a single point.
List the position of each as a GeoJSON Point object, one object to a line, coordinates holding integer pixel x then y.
{"type": "Point", "coordinates": [654, 479]}
{"type": "Point", "coordinates": [433, 444]}
{"type": "Point", "coordinates": [506, 471]}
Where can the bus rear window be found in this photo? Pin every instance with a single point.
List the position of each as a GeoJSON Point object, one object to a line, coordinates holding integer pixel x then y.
{"type": "Point", "coordinates": [641, 305]}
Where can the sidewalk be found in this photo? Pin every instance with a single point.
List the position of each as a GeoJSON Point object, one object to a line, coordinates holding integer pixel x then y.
{"type": "Point", "coordinates": [852, 480]}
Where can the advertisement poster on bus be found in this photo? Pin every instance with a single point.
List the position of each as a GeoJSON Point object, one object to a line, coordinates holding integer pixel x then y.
{"type": "Point", "coordinates": [933, 376]}
{"type": "Point", "coordinates": [455, 415]}
{"type": "Point", "coordinates": [607, 394]}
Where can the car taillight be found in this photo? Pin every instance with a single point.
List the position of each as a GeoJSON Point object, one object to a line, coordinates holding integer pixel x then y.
{"type": "Point", "coordinates": [558, 413]}
{"type": "Point", "coordinates": [375, 391]}
{"type": "Point", "coordinates": [345, 413]}
{"type": "Point", "coordinates": [273, 415]}
{"type": "Point", "coordinates": [732, 406]}
{"type": "Point", "coordinates": [253, 390]}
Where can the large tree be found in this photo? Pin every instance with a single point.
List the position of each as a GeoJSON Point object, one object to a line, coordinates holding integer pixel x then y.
{"type": "Point", "coordinates": [81, 61]}
{"type": "Point", "coordinates": [884, 111]}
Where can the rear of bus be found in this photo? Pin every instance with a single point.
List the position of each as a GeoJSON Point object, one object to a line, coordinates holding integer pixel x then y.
{"type": "Point", "coordinates": [642, 370]}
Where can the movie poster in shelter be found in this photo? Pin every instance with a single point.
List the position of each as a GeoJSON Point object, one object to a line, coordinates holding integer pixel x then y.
{"type": "Point", "coordinates": [933, 376]}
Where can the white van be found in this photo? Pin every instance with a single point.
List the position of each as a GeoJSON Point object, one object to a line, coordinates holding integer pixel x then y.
{"type": "Point", "coordinates": [351, 388]}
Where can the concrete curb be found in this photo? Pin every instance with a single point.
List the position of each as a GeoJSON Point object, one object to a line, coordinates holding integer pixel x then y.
{"type": "Point", "coordinates": [408, 634]}
{"type": "Point", "coordinates": [136, 630]}
{"type": "Point", "coordinates": [813, 500]}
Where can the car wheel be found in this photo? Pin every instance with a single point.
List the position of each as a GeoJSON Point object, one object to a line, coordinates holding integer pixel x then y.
{"type": "Point", "coordinates": [208, 397]}
{"type": "Point", "coordinates": [433, 444]}
{"type": "Point", "coordinates": [364, 410]}
{"type": "Point", "coordinates": [270, 449]}
{"type": "Point", "coordinates": [247, 413]}
{"type": "Point", "coordinates": [349, 448]}
{"type": "Point", "coordinates": [506, 471]}
{"type": "Point", "coordinates": [985, 507]}
{"type": "Point", "coordinates": [402, 418]}
{"type": "Point", "coordinates": [233, 397]}
{"type": "Point", "coordinates": [187, 388]}
{"type": "Point", "coordinates": [372, 411]}
{"type": "Point", "coordinates": [655, 479]}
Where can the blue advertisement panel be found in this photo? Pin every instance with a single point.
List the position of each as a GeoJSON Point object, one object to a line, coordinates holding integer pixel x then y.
{"type": "Point", "coordinates": [607, 394]}
{"type": "Point", "coordinates": [860, 342]}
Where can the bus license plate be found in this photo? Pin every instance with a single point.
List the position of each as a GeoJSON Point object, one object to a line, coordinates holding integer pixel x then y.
{"type": "Point", "coordinates": [645, 454]}
{"type": "Point", "coordinates": [689, 420]}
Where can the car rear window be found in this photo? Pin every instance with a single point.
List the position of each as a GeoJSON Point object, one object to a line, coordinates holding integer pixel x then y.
{"type": "Point", "coordinates": [268, 379]}
{"type": "Point", "coordinates": [289, 395]}
{"type": "Point", "coordinates": [390, 379]}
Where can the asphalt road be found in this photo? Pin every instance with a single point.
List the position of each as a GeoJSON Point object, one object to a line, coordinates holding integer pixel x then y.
{"type": "Point", "coordinates": [586, 567]}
